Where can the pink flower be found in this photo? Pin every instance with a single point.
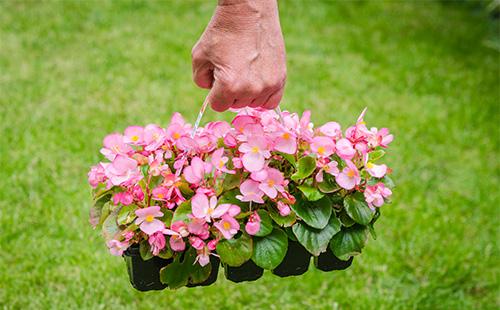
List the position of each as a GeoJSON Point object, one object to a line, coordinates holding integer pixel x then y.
{"type": "Point", "coordinates": [250, 192]}
{"type": "Point", "coordinates": [138, 193]}
{"type": "Point", "coordinates": [377, 171]}
{"type": "Point", "coordinates": [332, 130]}
{"type": "Point", "coordinates": [154, 137]}
{"type": "Point", "coordinates": [157, 242]}
{"type": "Point", "coordinates": [96, 175]}
{"type": "Point", "coordinates": [322, 146]}
{"type": "Point", "coordinates": [204, 209]}
{"type": "Point", "coordinates": [122, 170]}
{"type": "Point", "coordinates": [160, 193]}
{"type": "Point", "coordinates": [283, 208]}
{"type": "Point", "coordinates": [349, 177]}
{"type": "Point", "coordinates": [379, 137]}
{"type": "Point", "coordinates": [219, 161]}
{"type": "Point", "coordinates": [114, 145]}
{"type": "Point", "coordinates": [195, 173]}
{"type": "Point", "coordinates": [219, 129]}
{"type": "Point", "coordinates": [146, 219]}
{"type": "Point", "coordinates": [212, 244]}
{"type": "Point", "coordinates": [134, 135]}
{"type": "Point", "coordinates": [116, 247]}
{"type": "Point", "coordinates": [178, 231]}
{"type": "Point", "coordinates": [345, 150]}
{"type": "Point", "coordinates": [273, 183]}
{"type": "Point", "coordinates": [199, 227]}
{"type": "Point", "coordinates": [286, 142]}
{"type": "Point", "coordinates": [228, 226]}
{"type": "Point", "coordinates": [196, 242]}
{"type": "Point", "coordinates": [255, 152]}
{"type": "Point", "coordinates": [203, 257]}
{"type": "Point", "coordinates": [330, 168]}
{"type": "Point", "coordinates": [156, 164]}
{"type": "Point", "coordinates": [253, 225]}
{"type": "Point", "coordinates": [125, 198]}
{"type": "Point", "coordinates": [375, 195]}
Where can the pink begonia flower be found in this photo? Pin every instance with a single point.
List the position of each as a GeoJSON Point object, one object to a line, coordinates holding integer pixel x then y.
{"type": "Point", "coordinates": [349, 177]}
{"type": "Point", "coordinates": [259, 176]}
{"type": "Point", "coordinates": [250, 192]}
{"type": "Point", "coordinates": [203, 257]}
{"type": "Point", "coordinates": [128, 235]}
{"type": "Point", "coordinates": [146, 219]}
{"type": "Point", "coordinates": [330, 168]}
{"type": "Point", "coordinates": [114, 145]}
{"type": "Point", "coordinates": [176, 131]}
{"type": "Point", "coordinates": [154, 137]}
{"type": "Point", "coordinates": [242, 121]}
{"type": "Point", "coordinates": [116, 247]}
{"type": "Point", "coordinates": [212, 244]}
{"type": "Point", "coordinates": [205, 142]}
{"type": "Point", "coordinates": [306, 127]}
{"type": "Point", "coordinates": [344, 149]}
{"type": "Point", "coordinates": [157, 164]}
{"type": "Point", "coordinates": [219, 129]}
{"type": "Point", "coordinates": [198, 227]}
{"type": "Point", "coordinates": [138, 193]}
{"type": "Point", "coordinates": [374, 170]}
{"type": "Point", "coordinates": [237, 163]}
{"type": "Point", "coordinates": [123, 169]}
{"type": "Point", "coordinates": [157, 242]}
{"type": "Point", "coordinates": [204, 209]}
{"type": "Point", "coordinates": [253, 225]}
{"type": "Point", "coordinates": [96, 175]}
{"type": "Point", "coordinates": [233, 210]}
{"type": "Point", "coordinates": [196, 242]}
{"type": "Point", "coordinates": [286, 142]}
{"type": "Point", "coordinates": [125, 198]}
{"type": "Point", "coordinates": [379, 137]}
{"type": "Point", "coordinates": [228, 226]}
{"type": "Point", "coordinates": [219, 161]}
{"type": "Point", "coordinates": [273, 183]}
{"type": "Point", "coordinates": [230, 140]}
{"type": "Point", "coordinates": [255, 152]}
{"type": "Point", "coordinates": [195, 173]}
{"type": "Point", "coordinates": [283, 208]}
{"type": "Point", "coordinates": [134, 135]}
{"type": "Point", "coordinates": [178, 231]}
{"type": "Point", "coordinates": [375, 195]}
{"type": "Point", "coordinates": [323, 146]}
{"type": "Point", "coordinates": [160, 193]}
{"type": "Point", "coordinates": [332, 130]}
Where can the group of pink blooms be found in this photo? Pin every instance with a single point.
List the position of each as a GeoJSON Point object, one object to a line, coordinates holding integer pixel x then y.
{"type": "Point", "coordinates": [251, 147]}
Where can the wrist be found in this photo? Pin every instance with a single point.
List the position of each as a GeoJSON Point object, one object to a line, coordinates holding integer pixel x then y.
{"type": "Point", "coordinates": [235, 15]}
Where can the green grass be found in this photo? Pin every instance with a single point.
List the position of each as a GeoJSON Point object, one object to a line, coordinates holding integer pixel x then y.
{"type": "Point", "coordinates": [71, 72]}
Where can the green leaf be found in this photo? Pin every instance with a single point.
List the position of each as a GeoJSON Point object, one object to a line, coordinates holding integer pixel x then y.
{"type": "Point", "coordinates": [316, 240]}
{"type": "Point", "coordinates": [155, 181]}
{"type": "Point", "coordinates": [144, 170]}
{"type": "Point", "coordinates": [388, 182]}
{"type": "Point", "coordinates": [375, 155]}
{"type": "Point", "coordinates": [289, 157]}
{"type": "Point", "coordinates": [145, 250]}
{"type": "Point", "coordinates": [186, 191]}
{"type": "Point", "coordinates": [182, 211]}
{"type": "Point", "coordinates": [230, 197]}
{"type": "Point", "coordinates": [266, 224]}
{"type": "Point", "coordinates": [126, 215]}
{"type": "Point", "coordinates": [314, 213]}
{"type": "Point", "coordinates": [110, 229]}
{"type": "Point", "coordinates": [166, 253]}
{"type": "Point", "coordinates": [305, 167]}
{"type": "Point", "coordinates": [269, 251]}
{"type": "Point", "coordinates": [231, 181]}
{"type": "Point", "coordinates": [356, 207]}
{"type": "Point", "coordinates": [184, 270]}
{"type": "Point", "coordinates": [96, 210]}
{"type": "Point", "coordinates": [167, 217]}
{"type": "Point", "coordinates": [234, 252]}
{"type": "Point", "coordinates": [349, 242]}
{"type": "Point", "coordinates": [311, 193]}
{"type": "Point", "coordinates": [328, 185]}
{"type": "Point", "coordinates": [345, 219]}
{"type": "Point", "coordinates": [283, 221]}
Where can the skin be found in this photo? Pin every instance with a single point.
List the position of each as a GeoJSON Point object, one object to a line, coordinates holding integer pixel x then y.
{"type": "Point", "coordinates": [241, 56]}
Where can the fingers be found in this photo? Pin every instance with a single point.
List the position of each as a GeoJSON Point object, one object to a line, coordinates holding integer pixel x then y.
{"type": "Point", "coordinates": [220, 100]}
{"type": "Point", "coordinates": [274, 100]}
{"type": "Point", "coordinates": [202, 68]}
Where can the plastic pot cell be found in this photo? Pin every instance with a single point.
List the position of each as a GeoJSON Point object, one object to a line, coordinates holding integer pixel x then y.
{"type": "Point", "coordinates": [144, 275]}
{"type": "Point", "coordinates": [296, 261]}
{"type": "Point", "coordinates": [214, 261]}
{"type": "Point", "coordinates": [246, 272]}
{"type": "Point", "coordinates": [327, 261]}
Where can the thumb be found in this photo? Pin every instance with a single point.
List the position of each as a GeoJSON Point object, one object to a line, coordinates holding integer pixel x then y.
{"type": "Point", "coordinates": [219, 99]}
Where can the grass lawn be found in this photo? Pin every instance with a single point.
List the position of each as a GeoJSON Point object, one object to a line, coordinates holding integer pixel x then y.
{"type": "Point", "coordinates": [71, 72]}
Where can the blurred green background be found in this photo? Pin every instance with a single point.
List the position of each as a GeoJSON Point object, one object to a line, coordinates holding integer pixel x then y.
{"type": "Point", "coordinates": [71, 72]}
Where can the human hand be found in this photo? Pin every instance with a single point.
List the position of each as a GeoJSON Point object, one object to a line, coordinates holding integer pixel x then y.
{"type": "Point", "coordinates": [241, 56]}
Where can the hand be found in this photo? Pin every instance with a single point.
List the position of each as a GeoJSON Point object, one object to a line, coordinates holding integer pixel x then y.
{"type": "Point", "coordinates": [241, 56]}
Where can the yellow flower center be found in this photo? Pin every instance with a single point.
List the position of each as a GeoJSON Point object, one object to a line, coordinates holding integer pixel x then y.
{"type": "Point", "coordinates": [221, 164]}
{"type": "Point", "coordinates": [270, 183]}
{"type": "Point", "coordinates": [286, 136]}
{"type": "Point", "coordinates": [155, 136]}
{"type": "Point", "coordinates": [226, 225]}
{"type": "Point", "coordinates": [321, 150]}
{"type": "Point", "coordinates": [369, 165]}
{"type": "Point", "coordinates": [177, 135]}
{"type": "Point", "coordinates": [350, 173]}
{"type": "Point", "coordinates": [160, 195]}
{"type": "Point", "coordinates": [255, 149]}
{"type": "Point", "coordinates": [135, 138]}
{"type": "Point", "coordinates": [210, 211]}
{"type": "Point", "coordinates": [149, 218]}
{"type": "Point", "coordinates": [326, 168]}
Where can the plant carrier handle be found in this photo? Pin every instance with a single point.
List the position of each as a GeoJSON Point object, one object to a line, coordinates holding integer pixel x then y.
{"type": "Point", "coordinates": [197, 124]}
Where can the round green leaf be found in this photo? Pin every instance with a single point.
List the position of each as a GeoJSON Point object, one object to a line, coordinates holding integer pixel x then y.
{"type": "Point", "coordinates": [184, 270]}
{"type": "Point", "coordinates": [349, 242]}
{"type": "Point", "coordinates": [234, 252]}
{"type": "Point", "coordinates": [316, 240]}
{"type": "Point", "coordinates": [270, 250]}
{"type": "Point", "coordinates": [315, 213]}
{"type": "Point", "coordinates": [182, 211]}
{"type": "Point", "coordinates": [126, 215]}
{"type": "Point", "coordinates": [305, 167]}
{"type": "Point", "coordinates": [145, 250]}
{"type": "Point", "coordinates": [284, 221]}
{"type": "Point", "coordinates": [266, 224]}
{"type": "Point", "coordinates": [311, 193]}
{"type": "Point", "coordinates": [356, 207]}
